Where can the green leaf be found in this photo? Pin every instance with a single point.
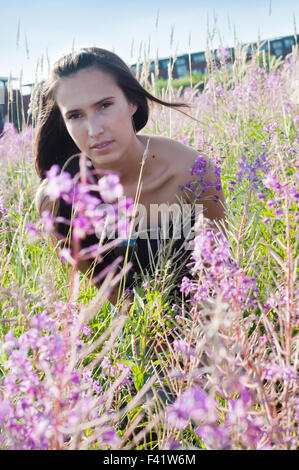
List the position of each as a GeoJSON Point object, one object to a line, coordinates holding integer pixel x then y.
{"type": "Point", "coordinates": [138, 377]}
{"type": "Point", "coordinates": [139, 299]}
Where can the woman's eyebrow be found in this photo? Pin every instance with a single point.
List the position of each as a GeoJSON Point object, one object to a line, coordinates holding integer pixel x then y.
{"type": "Point", "coordinates": [95, 104]}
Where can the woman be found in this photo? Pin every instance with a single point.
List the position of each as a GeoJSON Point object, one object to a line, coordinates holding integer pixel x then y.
{"type": "Point", "coordinates": [93, 104]}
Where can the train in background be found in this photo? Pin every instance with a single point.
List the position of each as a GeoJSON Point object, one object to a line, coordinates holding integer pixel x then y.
{"type": "Point", "coordinates": [13, 113]}
{"type": "Point", "coordinates": [278, 47]}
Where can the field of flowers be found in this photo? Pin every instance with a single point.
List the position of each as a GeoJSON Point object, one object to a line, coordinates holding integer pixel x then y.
{"type": "Point", "coordinates": [217, 370]}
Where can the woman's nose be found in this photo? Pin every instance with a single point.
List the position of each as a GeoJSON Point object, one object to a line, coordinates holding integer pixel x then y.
{"type": "Point", "coordinates": [95, 127]}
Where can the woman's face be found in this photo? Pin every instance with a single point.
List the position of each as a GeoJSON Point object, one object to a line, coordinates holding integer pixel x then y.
{"type": "Point", "coordinates": [97, 115]}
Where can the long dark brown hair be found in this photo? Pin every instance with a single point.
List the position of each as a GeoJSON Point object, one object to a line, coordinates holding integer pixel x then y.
{"type": "Point", "coordinates": [53, 144]}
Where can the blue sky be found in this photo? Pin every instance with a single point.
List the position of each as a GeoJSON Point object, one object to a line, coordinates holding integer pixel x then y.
{"type": "Point", "coordinates": [54, 27]}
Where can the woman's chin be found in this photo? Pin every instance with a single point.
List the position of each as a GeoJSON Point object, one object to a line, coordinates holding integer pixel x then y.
{"type": "Point", "coordinates": [99, 160]}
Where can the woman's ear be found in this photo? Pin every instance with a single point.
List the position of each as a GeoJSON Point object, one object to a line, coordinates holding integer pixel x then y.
{"type": "Point", "coordinates": [133, 108]}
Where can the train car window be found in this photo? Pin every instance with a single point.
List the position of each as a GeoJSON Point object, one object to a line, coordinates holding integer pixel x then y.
{"type": "Point", "coordinates": [264, 47]}
{"type": "Point", "coordinates": [164, 63]}
{"type": "Point", "coordinates": [249, 49]}
{"type": "Point", "coordinates": [277, 48]}
{"type": "Point", "coordinates": [200, 57]}
{"type": "Point", "coordinates": [181, 61]}
{"type": "Point", "coordinates": [182, 70]}
{"type": "Point", "coordinates": [288, 42]}
{"type": "Point", "coordinates": [1, 93]}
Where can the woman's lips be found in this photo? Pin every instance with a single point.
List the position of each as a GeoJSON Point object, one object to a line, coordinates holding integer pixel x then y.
{"type": "Point", "coordinates": [104, 147]}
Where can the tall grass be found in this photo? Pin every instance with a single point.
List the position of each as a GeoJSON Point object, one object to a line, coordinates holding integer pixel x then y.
{"type": "Point", "coordinates": [215, 370]}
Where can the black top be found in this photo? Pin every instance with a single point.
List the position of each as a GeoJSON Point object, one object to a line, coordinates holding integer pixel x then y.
{"type": "Point", "coordinates": [144, 252]}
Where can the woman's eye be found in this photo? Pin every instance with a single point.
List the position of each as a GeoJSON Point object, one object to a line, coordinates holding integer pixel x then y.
{"type": "Point", "coordinates": [106, 105]}
{"type": "Point", "coordinates": [78, 115]}
{"type": "Point", "coordinates": [74, 116]}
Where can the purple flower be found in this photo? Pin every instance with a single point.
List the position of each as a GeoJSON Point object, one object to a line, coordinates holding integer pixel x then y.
{"type": "Point", "coordinates": [223, 52]}
{"type": "Point", "coordinates": [97, 387]}
{"type": "Point", "coordinates": [110, 438]}
{"type": "Point", "coordinates": [186, 285]}
{"type": "Point", "coordinates": [5, 411]}
{"type": "Point", "coordinates": [3, 209]}
{"type": "Point", "coordinates": [65, 256]}
{"type": "Point", "coordinates": [218, 160]}
{"type": "Point", "coordinates": [199, 166]}
{"type": "Point", "coordinates": [278, 213]}
{"type": "Point", "coordinates": [47, 221]}
{"type": "Point", "coordinates": [183, 347]}
{"type": "Point", "coordinates": [184, 139]}
{"type": "Point", "coordinates": [275, 372]}
{"type": "Point", "coordinates": [219, 91]}
{"type": "Point", "coordinates": [214, 435]}
{"type": "Point", "coordinates": [125, 206]}
{"type": "Point", "coordinates": [123, 229]}
{"type": "Point", "coordinates": [81, 226]}
{"type": "Point", "coordinates": [40, 388]}
{"type": "Point", "coordinates": [32, 233]}
{"type": "Point", "coordinates": [194, 404]}
{"type": "Point", "coordinates": [172, 445]}
{"type": "Point", "coordinates": [10, 342]}
{"type": "Point", "coordinates": [58, 184]}
{"type": "Point", "coordinates": [85, 202]}
{"type": "Point", "coordinates": [106, 364]}
{"type": "Point", "coordinates": [110, 188]}
{"type": "Point", "coordinates": [270, 181]}
{"type": "Point", "coordinates": [87, 331]}
{"type": "Point", "coordinates": [270, 203]}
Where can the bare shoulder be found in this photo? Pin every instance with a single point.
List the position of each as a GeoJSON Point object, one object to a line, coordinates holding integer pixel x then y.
{"type": "Point", "coordinates": [179, 155]}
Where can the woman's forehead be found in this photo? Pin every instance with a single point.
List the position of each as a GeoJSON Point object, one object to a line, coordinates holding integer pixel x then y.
{"type": "Point", "coordinates": [84, 86]}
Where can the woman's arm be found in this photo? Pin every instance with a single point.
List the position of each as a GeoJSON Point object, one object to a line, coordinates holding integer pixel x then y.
{"type": "Point", "coordinates": [43, 201]}
{"type": "Point", "coordinates": [212, 196]}
{"type": "Point", "coordinates": [209, 193]}
{"type": "Point", "coordinates": [207, 186]}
